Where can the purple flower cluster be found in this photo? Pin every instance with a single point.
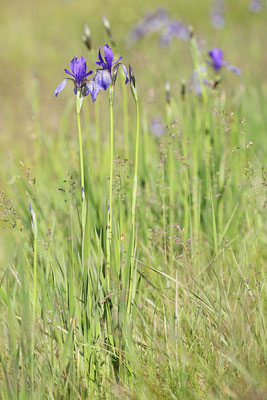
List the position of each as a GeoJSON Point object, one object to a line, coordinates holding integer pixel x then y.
{"type": "Point", "coordinates": [217, 14]}
{"type": "Point", "coordinates": [103, 76]}
{"type": "Point", "coordinates": [174, 29]}
{"type": "Point", "coordinates": [152, 22]}
{"type": "Point", "coordinates": [256, 6]}
{"type": "Point", "coordinates": [155, 22]}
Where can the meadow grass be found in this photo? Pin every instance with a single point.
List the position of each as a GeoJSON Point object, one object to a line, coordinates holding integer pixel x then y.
{"type": "Point", "coordinates": [164, 297]}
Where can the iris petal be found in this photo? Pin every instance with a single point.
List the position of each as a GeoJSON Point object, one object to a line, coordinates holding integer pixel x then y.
{"type": "Point", "coordinates": [93, 89]}
{"type": "Point", "coordinates": [216, 56]}
{"type": "Point", "coordinates": [102, 79]}
{"type": "Point", "coordinates": [68, 72]}
{"type": "Point", "coordinates": [72, 64]}
{"type": "Point", "coordinates": [125, 72]}
{"type": "Point", "coordinates": [88, 73]}
{"type": "Point", "coordinates": [60, 87]}
{"type": "Point", "coordinates": [234, 69]}
{"type": "Point", "coordinates": [108, 56]}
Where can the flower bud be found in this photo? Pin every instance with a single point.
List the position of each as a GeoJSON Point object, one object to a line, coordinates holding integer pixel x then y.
{"type": "Point", "coordinates": [33, 220]}
{"type": "Point", "coordinates": [86, 37]}
{"type": "Point", "coordinates": [133, 84]}
{"type": "Point", "coordinates": [191, 31]}
{"type": "Point", "coordinates": [183, 89]}
{"type": "Point", "coordinates": [108, 30]}
{"type": "Point", "coordinates": [114, 74]}
{"type": "Point", "coordinates": [168, 92]}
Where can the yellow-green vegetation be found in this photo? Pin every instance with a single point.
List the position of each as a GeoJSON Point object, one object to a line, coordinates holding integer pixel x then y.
{"type": "Point", "coordinates": [165, 296]}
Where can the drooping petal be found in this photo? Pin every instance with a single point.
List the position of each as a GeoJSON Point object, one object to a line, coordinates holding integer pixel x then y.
{"type": "Point", "coordinates": [234, 69]}
{"type": "Point", "coordinates": [72, 64]}
{"type": "Point", "coordinates": [102, 79]}
{"type": "Point", "coordinates": [93, 89]}
{"type": "Point", "coordinates": [60, 87]}
{"type": "Point", "coordinates": [108, 56]}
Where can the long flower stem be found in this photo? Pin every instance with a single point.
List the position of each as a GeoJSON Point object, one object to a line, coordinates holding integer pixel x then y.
{"type": "Point", "coordinates": [134, 205]}
{"type": "Point", "coordinates": [125, 117]}
{"type": "Point", "coordinates": [34, 305]}
{"type": "Point", "coordinates": [136, 167]}
{"type": "Point", "coordinates": [110, 215]}
{"type": "Point", "coordinates": [78, 108]}
{"type": "Point", "coordinates": [80, 142]}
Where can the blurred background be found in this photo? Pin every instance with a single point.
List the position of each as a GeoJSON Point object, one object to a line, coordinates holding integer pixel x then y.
{"type": "Point", "coordinates": [38, 40]}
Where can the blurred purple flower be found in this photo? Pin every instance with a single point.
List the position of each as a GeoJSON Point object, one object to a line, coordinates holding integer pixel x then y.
{"type": "Point", "coordinates": [157, 127]}
{"type": "Point", "coordinates": [79, 76]}
{"type": "Point", "coordinates": [109, 68]}
{"type": "Point", "coordinates": [174, 29]}
{"type": "Point", "coordinates": [152, 22]}
{"type": "Point", "coordinates": [217, 61]}
{"type": "Point", "coordinates": [195, 81]}
{"type": "Point", "coordinates": [217, 14]}
{"type": "Point", "coordinates": [256, 6]}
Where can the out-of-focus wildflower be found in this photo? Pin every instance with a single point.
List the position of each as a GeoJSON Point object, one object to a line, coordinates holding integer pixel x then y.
{"type": "Point", "coordinates": [217, 62]}
{"type": "Point", "coordinates": [217, 14]}
{"type": "Point", "coordinates": [197, 81]}
{"type": "Point", "coordinates": [157, 127]}
{"type": "Point", "coordinates": [152, 22]}
{"type": "Point", "coordinates": [256, 6]}
{"type": "Point", "coordinates": [168, 92]}
{"type": "Point", "coordinates": [108, 72]}
{"type": "Point", "coordinates": [79, 76]}
{"type": "Point", "coordinates": [33, 220]}
{"type": "Point", "coordinates": [174, 29]}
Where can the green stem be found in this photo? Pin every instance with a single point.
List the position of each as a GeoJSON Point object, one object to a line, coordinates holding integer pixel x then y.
{"type": "Point", "coordinates": [125, 117]}
{"type": "Point", "coordinates": [136, 166]}
{"type": "Point", "coordinates": [80, 141]}
{"type": "Point", "coordinates": [78, 108]}
{"type": "Point", "coordinates": [34, 305]}
{"type": "Point", "coordinates": [35, 275]}
{"type": "Point", "coordinates": [110, 216]}
{"type": "Point", "coordinates": [134, 206]}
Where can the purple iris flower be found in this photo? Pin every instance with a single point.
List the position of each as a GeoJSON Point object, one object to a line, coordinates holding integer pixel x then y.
{"type": "Point", "coordinates": [217, 14]}
{"type": "Point", "coordinates": [174, 29]}
{"type": "Point", "coordinates": [108, 72]}
{"type": "Point", "coordinates": [256, 6]}
{"type": "Point", "coordinates": [195, 81]}
{"type": "Point", "coordinates": [217, 62]}
{"type": "Point", "coordinates": [79, 76]}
